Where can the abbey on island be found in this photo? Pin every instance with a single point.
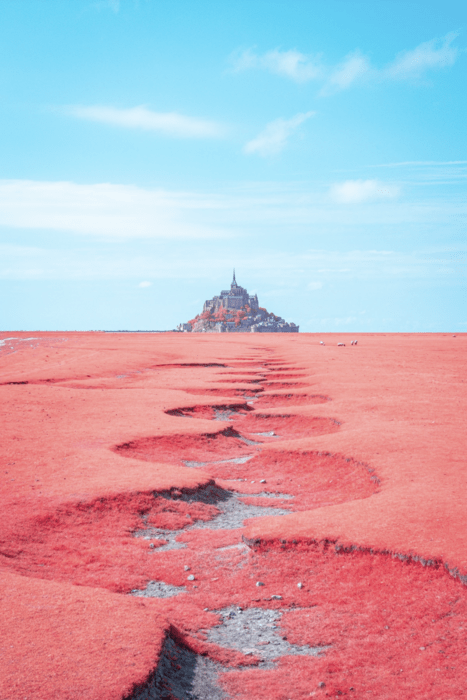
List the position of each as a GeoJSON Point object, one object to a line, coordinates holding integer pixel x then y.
{"type": "Point", "coordinates": [236, 311]}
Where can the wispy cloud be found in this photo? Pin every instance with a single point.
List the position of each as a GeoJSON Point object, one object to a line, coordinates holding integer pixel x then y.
{"type": "Point", "coordinates": [143, 285]}
{"type": "Point", "coordinates": [289, 64]}
{"type": "Point", "coordinates": [124, 211]}
{"type": "Point", "coordinates": [314, 286]}
{"type": "Point", "coordinates": [274, 137]}
{"type": "Point", "coordinates": [111, 211]}
{"type": "Point", "coordinates": [168, 123]}
{"type": "Point", "coordinates": [359, 191]}
{"type": "Point", "coordinates": [437, 53]}
{"type": "Point", "coordinates": [354, 68]}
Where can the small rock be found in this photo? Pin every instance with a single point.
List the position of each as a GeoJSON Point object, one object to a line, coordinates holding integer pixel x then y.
{"type": "Point", "coordinates": [259, 583]}
{"type": "Point", "coordinates": [321, 685]}
{"type": "Point", "coordinates": [187, 568]}
{"type": "Point", "coordinates": [206, 609]}
{"type": "Point", "coordinates": [252, 482]}
{"type": "Point", "coordinates": [276, 597]}
{"type": "Point", "coordinates": [386, 627]}
{"type": "Point", "coordinates": [422, 648]}
{"type": "Point", "coordinates": [299, 585]}
{"type": "Point", "coordinates": [190, 577]}
{"type": "Point", "coordinates": [263, 481]}
{"type": "Point", "coordinates": [152, 545]}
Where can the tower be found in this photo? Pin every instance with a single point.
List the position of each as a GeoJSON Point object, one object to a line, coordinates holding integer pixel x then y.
{"type": "Point", "coordinates": [234, 281]}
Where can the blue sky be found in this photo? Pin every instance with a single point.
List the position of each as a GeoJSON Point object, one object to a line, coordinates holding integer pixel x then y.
{"type": "Point", "coordinates": [150, 146]}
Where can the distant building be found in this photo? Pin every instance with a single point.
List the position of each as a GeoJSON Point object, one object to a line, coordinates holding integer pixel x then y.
{"type": "Point", "coordinates": [235, 298]}
{"type": "Point", "coordinates": [236, 311]}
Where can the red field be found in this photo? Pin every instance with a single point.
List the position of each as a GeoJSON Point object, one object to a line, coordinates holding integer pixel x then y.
{"type": "Point", "coordinates": [119, 453]}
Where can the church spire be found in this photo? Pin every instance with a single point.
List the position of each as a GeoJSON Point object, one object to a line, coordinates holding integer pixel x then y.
{"type": "Point", "coordinates": [234, 281]}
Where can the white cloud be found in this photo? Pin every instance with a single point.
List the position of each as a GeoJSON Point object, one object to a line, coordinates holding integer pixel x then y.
{"type": "Point", "coordinates": [145, 284]}
{"type": "Point", "coordinates": [274, 136]}
{"type": "Point", "coordinates": [354, 67]}
{"type": "Point", "coordinates": [359, 191]}
{"type": "Point", "coordinates": [168, 123]}
{"type": "Point", "coordinates": [245, 212]}
{"type": "Point", "coordinates": [437, 53]}
{"type": "Point", "coordinates": [313, 286]}
{"type": "Point", "coordinates": [289, 64]}
{"type": "Point", "coordinates": [104, 210]}
{"type": "Point", "coordinates": [301, 68]}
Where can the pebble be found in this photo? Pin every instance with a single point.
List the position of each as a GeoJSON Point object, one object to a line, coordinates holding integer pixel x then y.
{"type": "Point", "coordinates": [262, 481]}
{"type": "Point", "coordinates": [259, 583]}
{"type": "Point", "coordinates": [276, 597]}
{"type": "Point", "coordinates": [299, 585]}
{"type": "Point", "coordinates": [187, 568]}
{"type": "Point", "coordinates": [252, 482]}
{"type": "Point", "coordinates": [422, 648]}
{"type": "Point", "coordinates": [206, 609]}
{"type": "Point", "coordinates": [190, 577]}
{"type": "Point", "coordinates": [152, 545]}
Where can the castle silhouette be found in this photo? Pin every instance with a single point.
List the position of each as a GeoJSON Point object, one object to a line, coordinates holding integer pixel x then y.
{"type": "Point", "coordinates": [234, 310]}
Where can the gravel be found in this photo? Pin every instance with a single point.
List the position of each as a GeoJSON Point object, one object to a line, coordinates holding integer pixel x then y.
{"type": "Point", "coordinates": [232, 516]}
{"type": "Point", "coordinates": [158, 589]}
{"type": "Point", "coordinates": [257, 631]}
{"type": "Point", "coordinates": [184, 675]}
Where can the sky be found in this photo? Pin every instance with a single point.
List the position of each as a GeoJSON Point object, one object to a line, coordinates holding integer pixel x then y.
{"type": "Point", "coordinates": [150, 146]}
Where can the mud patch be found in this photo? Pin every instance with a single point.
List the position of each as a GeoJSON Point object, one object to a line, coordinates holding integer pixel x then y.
{"type": "Point", "coordinates": [181, 674]}
{"type": "Point", "coordinates": [257, 631]}
{"type": "Point", "coordinates": [210, 412]}
{"type": "Point", "coordinates": [231, 510]}
{"type": "Point", "coordinates": [227, 391]}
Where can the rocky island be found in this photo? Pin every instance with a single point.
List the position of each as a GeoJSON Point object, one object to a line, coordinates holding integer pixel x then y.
{"type": "Point", "coordinates": [236, 311]}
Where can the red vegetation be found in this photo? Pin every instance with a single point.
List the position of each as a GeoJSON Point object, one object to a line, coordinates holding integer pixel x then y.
{"type": "Point", "coordinates": [177, 448]}
{"type": "Point", "coordinates": [272, 400]}
{"type": "Point", "coordinates": [91, 544]}
{"type": "Point", "coordinates": [375, 531]}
